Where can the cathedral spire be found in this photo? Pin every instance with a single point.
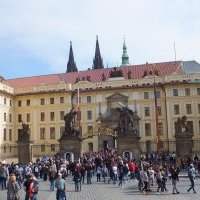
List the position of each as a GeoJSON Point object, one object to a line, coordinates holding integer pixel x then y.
{"type": "Point", "coordinates": [97, 61]}
{"type": "Point", "coordinates": [71, 65]}
{"type": "Point", "coordinates": [125, 57]}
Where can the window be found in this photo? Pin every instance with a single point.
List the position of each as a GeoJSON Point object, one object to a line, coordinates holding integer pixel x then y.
{"type": "Point", "coordinates": [62, 129]}
{"type": "Point", "coordinates": [5, 100]}
{"type": "Point", "coordinates": [147, 129]}
{"type": "Point", "coordinates": [90, 130]}
{"type": "Point", "coordinates": [198, 91]}
{"type": "Point", "coordinates": [159, 110]}
{"type": "Point", "coordinates": [62, 114]}
{"type": "Point", "coordinates": [28, 117]}
{"type": "Point", "coordinates": [4, 149]}
{"type": "Point", "coordinates": [10, 134]}
{"type": "Point", "coordinates": [42, 101]}
{"type": "Point", "coordinates": [146, 95]}
{"type": "Point", "coordinates": [4, 117]}
{"type": "Point", "coordinates": [89, 99]}
{"type": "Point", "coordinates": [199, 108]}
{"type": "Point", "coordinates": [52, 116]}
{"type": "Point", "coordinates": [42, 133]}
{"type": "Point", "coordinates": [10, 117]}
{"type": "Point", "coordinates": [160, 128]}
{"type": "Point", "coordinates": [19, 118]}
{"type": "Point", "coordinates": [188, 109]}
{"type": "Point", "coordinates": [4, 134]}
{"type": "Point", "coordinates": [42, 148]}
{"type": "Point", "coordinates": [176, 109]}
{"type": "Point", "coordinates": [89, 115]}
{"type": "Point", "coordinates": [42, 116]}
{"type": "Point", "coordinates": [175, 92]}
{"type": "Point", "coordinates": [187, 91]}
{"type": "Point", "coordinates": [146, 111]}
{"type": "Point", "coordinates": [52, 133]}
{"type": "Point", "coordinates": [51, 100]}
{"type": "Point", "coordinates": [53, 148]}
{"type": "Point", "coordinates": [158, 94]}
{"type": "Point", "coordinates": [10, 102]}
{"type": "Point", "coordinates": [19, 103]}
{"type": "Point", "coordinates": [61, 99]}
{"type": "Point", "coordinates": [28, 102]}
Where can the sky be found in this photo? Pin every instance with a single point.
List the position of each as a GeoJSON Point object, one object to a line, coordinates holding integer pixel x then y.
{"type": "Point", "coordinates": [35, 34]}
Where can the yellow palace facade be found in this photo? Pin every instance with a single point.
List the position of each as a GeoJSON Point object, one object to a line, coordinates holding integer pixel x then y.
{"type": "Point", "coordinates": [42, 101]}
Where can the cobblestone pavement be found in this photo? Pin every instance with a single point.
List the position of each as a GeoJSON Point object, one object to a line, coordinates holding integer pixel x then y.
{"type": "Point", "coordinates": [101, 191]}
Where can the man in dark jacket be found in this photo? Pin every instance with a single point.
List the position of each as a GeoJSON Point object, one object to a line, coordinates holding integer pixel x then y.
{"type": "Point", "coordinates": [174, 176]}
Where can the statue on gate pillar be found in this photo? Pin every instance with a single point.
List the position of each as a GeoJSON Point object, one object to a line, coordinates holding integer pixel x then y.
{"type": "Point", "coordinates": [128, 121]}
{"type": "Point", "coordinates": [24, 133]}
{"type": "Point", "coordinates": [24, 145]}
{"type": "Point", "coordinates": [71, 128]}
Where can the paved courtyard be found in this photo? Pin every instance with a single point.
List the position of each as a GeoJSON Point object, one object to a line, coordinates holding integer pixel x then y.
{"type": "Point", "coordinates": [100, 191]}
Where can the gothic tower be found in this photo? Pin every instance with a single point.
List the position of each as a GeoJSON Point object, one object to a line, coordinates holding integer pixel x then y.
{"type": "Point", "coordinates": [97, 61]}
{"type": "Point", "coordinates": [71, 65]}
{"type": "Point", "coordinates": [125, 58]}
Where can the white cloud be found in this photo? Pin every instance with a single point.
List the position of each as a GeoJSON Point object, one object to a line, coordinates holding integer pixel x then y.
{"type": "Point", "coordinates": [44, 28]}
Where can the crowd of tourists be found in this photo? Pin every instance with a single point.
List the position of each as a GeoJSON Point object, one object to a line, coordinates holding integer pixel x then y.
{"type": "Point", "coordinates": [151, 173]}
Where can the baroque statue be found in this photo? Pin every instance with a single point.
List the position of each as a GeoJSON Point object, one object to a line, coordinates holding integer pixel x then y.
{"type": "Point", "coordinates": [71, 128]}
{"type": "Point", "coordinates": [182, 125]}
{"type": "Point", "coordinates": [24, 134]}
{"type": "Point", "coordinates": [128, 121]}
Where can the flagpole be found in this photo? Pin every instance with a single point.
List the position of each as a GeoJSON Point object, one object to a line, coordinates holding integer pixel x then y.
{"type": "Point", "coordinates": [156, 116]}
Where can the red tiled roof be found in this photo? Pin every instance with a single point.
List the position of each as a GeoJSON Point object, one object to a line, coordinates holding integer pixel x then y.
{"type": "Point", "coordinates": [137, 72]}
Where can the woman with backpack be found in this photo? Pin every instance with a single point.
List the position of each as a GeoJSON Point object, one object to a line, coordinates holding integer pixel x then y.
{"type": "Point", "coordinates": [13, 188]}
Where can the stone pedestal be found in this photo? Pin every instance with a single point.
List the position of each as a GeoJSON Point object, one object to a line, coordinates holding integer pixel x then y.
{"type": "Point", "coordinates": [24, 152]}
{"type": "Point", "coordinates": [71, 144]}
{"type": "Point", "coordinates": [184, 144]}
{"type": "Point", "coordinates": [129, 143]}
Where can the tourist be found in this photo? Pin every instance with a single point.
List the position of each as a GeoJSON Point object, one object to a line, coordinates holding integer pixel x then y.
{"type": "Point", "coordinates": [31, 188]}
{"type": "Point", "coordinates": [4, 174]}
{"type": "Point", "coordinates": [60, 185]}
{"type": "Point", "coordinates": [115, 172]}
{"type": "Point", "coordinates": [13, 188]}
{"type": "Point", "coordinates": [104, 173]}
{"type": "Point", "coordinates": [174, 176]}
{"type": "Point", "coordinates": [52, 177]}
{"type": "Point", "coordinates": [191, 175]}
{"type": "Point", "coordinates": [145, 180]}
{"type": "Point", "coordinates": [99, 171]}
{"type": "Point", "coordinates": [77, 179]}
{"type": "Point", "coordinates": [89, 173]}
{"type": "Point", "coordinates": [151, 173]}
{"type": "Point", "coordinates": [82, 174]}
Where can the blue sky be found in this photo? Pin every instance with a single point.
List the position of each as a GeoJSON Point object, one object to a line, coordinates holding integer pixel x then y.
{"type": "Point", "coordinates": [35, 34]}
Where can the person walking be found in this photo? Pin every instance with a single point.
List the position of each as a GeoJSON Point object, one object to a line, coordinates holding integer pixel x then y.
{"type": "Point", "coordinates": [99, 171]}
{"type": "Point", "coordinates": [52, 177]}
{"type": "Point", "coordinates": [13, 188]}
{"type": "Point", "coordinates": [60, 185]}
{"type": "Point", "coordinates": [174, 176]}
{"type": "Point", "coordinates": [33, 188]}
{"type": "Point", "coordinates": [191, 175]}
{"type": "Point", "coordinates": [77, 180]}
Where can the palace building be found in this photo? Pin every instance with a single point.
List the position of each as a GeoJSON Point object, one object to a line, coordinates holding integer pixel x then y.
{"type": "Point", "coordinates": [160, 93]}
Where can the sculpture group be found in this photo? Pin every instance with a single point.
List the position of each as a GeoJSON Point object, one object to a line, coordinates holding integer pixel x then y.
{"type": "Point", "coordinates": [71, 128]}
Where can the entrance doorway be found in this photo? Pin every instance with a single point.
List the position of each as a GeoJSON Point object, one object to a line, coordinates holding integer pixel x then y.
{"type": "Point", "coordinates": [105, 144]}
{"type": "Point", "coordinates": [90, 146]}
